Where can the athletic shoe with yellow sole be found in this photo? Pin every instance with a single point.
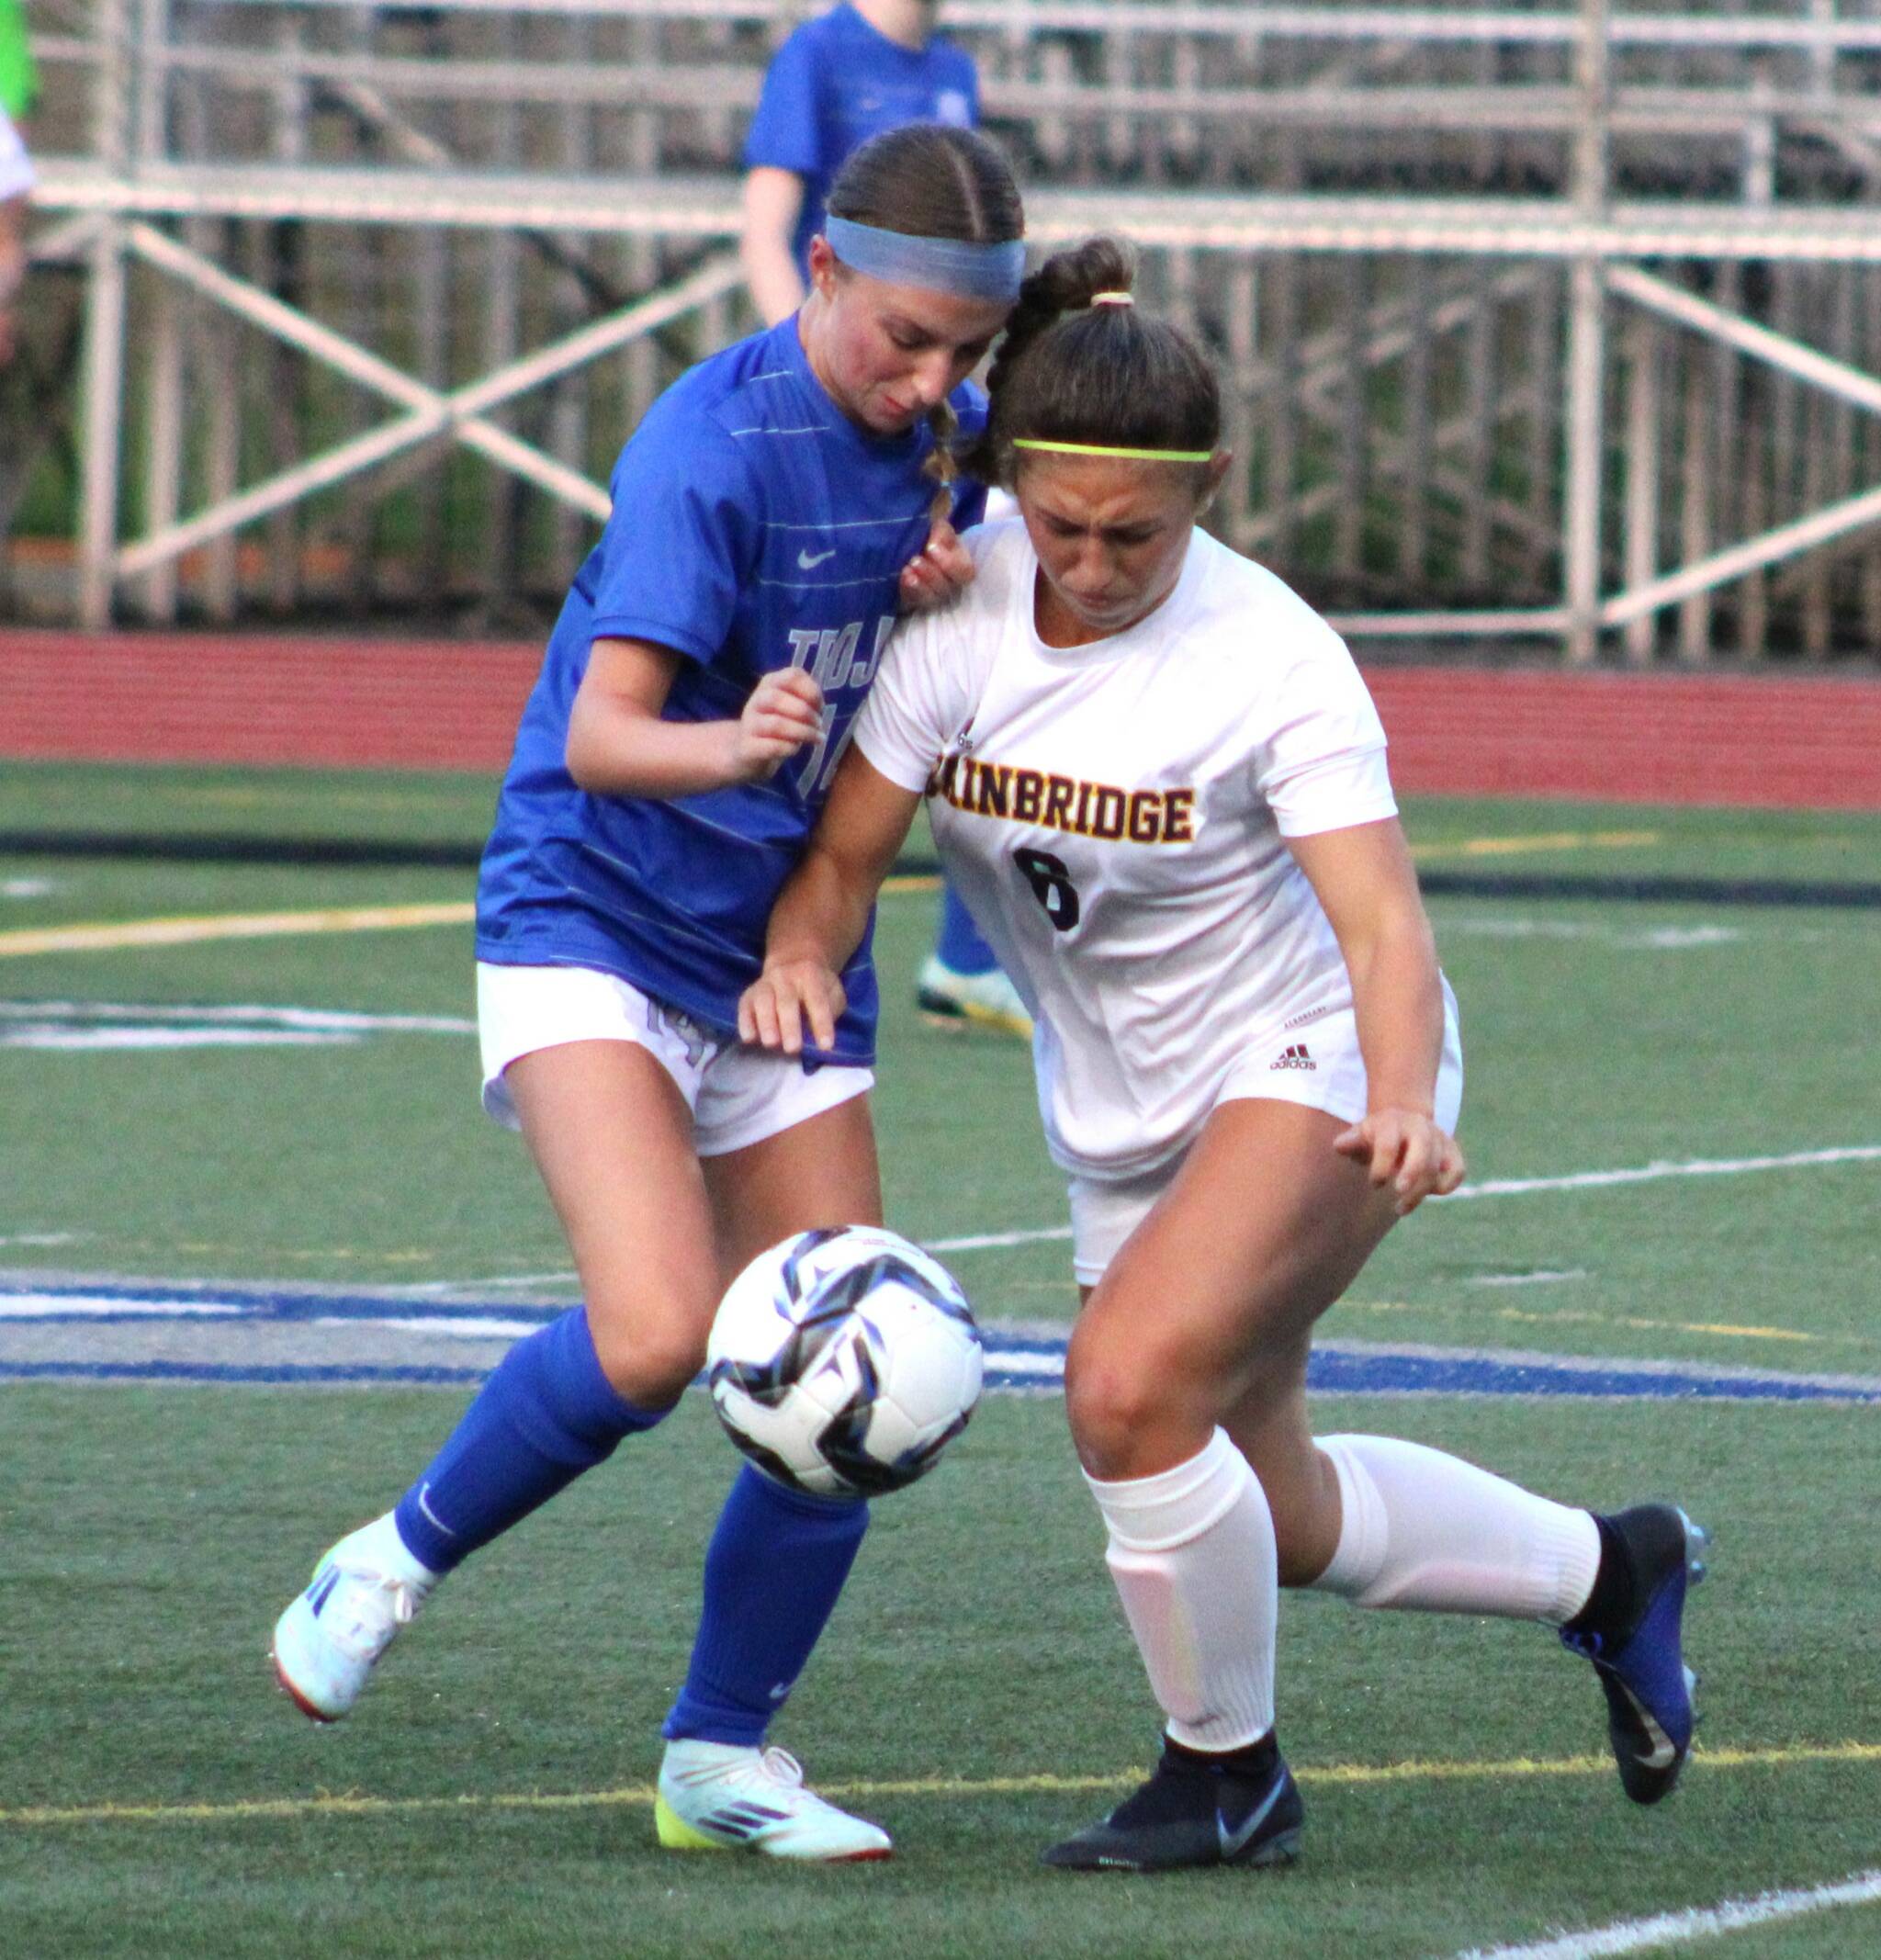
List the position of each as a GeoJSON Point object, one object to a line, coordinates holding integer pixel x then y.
{"type": "Point", "coordinates": [720, 1797]}
{"type": "Point", "coordinates": [950, 999]}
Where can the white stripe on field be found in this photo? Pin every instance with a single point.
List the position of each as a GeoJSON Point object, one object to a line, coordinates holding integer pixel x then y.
{"type": "Point", "coordinates": [1675, 1928]}
{"type": "Point", "coordinates": [67, 1039]}
{"type": "Point", "coordinates": [458, 1327]}
{"type": "Point", "coordinates": [1581, 1180]}
{"type": "Point", "coordinates": [319, 1020]}
{"type": "Point", "coordinates": [1586, 1180]}
{"type": "Point", "coordinates": [40, 1306]}
{"type": "Point", "coordinates": [999, 1238]}
{"type": "Point", "coordinates": [1018, 1361]}
{"type": "Point", "coordinates": [440, 1289]}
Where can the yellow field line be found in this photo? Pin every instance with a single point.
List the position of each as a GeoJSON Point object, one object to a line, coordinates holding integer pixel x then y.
{"type": "Point", "coordinates": [229, 925]}
{"type": "Point", "coordinates": [1580, 1317]}
{"type": "Point", "coordinates": [115, 937]}
{"type": "Point", "coordinates": [351, 1803]}
{"type": "Point", "coordinates": [1501, 846]}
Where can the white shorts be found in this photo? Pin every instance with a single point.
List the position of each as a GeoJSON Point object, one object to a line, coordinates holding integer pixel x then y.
{"type": "Point", "coordinates": [738, 1095]}
{"type": "Point", "coordinates": [1314, 1062]}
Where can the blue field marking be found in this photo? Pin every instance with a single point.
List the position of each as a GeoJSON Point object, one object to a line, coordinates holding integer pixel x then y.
{"type": "Point", "coordinates": [1028, 1361]}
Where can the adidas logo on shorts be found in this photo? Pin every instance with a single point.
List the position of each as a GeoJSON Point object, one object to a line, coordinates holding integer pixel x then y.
{"type": "Point", "coordinates": [1296, 1056]}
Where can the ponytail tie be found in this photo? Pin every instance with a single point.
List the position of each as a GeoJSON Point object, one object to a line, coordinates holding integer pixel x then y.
{"type": "Point", "coordinates": [1113, 298]}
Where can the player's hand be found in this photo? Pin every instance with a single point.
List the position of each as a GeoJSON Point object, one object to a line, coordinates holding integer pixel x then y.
{"type": "Point", "coordinates": [784, 713]}
{"type": "Point", "coordinates": [775, 1007]}
{"type": "Point", "coordinates": [1405, 1150]}
{"type": "Point", "coordinates": [939, 574]}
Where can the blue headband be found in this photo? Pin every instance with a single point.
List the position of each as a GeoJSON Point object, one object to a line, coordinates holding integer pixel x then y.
{"type": "Point", "coordinates": [944, 264]}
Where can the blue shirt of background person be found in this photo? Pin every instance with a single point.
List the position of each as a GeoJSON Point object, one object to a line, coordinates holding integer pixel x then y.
{"type": "Point", "coordinates": [754, 528]}
{"type": "Point", "coordinates": [839, 81]}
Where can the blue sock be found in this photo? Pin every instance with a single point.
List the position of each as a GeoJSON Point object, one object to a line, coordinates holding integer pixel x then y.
{"type": "Point", "coordinates": [547, 1414]}
{"type": "Point", "coordinates": [959, 944]}
{"type": "Point", "coordinates": [774, 1573]}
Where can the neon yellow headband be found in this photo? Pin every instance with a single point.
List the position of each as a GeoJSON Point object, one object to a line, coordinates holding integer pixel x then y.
{"type": "Point", "coordinates": [1130, 456]}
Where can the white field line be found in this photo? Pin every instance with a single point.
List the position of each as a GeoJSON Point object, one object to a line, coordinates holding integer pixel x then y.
{"type": "Point", "coordinates": [38, 1306]}
{"type": "Point", "coordinates": [65, 1038]}
{"type": "Point", "coordinates": [1540, 1279]}
{"type": "Point", "coordinates": [340, 1020]}
{"type": "Point", "coordinates": [978, 1241]}
{"type": "Point", "coordinates": [504, 1282]}
{"type": "Point", "coordinates": [467, 1327]}
{"type": "Point", "coordinates": [1675, 1929]}
{"type": "Point", "coordinates": [1587, 1180]}
{"type": "Point", "coordinates": [1584, 1180]}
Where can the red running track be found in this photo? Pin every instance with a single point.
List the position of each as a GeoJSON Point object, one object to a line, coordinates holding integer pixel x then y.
{"type": "Point", "coordinates": [1809, 743]}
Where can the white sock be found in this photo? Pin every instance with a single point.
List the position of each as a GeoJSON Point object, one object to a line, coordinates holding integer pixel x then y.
{"type": "Point", "coordinates": [1427, 1531]}
{"type": "Point", "coordinates": [1192, 1555]}
{"type": "Point", "coordinates": [385, 1548]}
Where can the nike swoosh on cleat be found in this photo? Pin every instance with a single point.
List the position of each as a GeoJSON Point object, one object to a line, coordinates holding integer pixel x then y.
{"type": "Point", "coordinates": [1662, 1754]}
{"type": "Point", "coordinates": [1234, 1841]}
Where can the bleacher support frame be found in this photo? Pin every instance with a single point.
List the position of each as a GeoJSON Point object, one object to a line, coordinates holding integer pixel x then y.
{"type": "Point", "coordinates": [130, 199]}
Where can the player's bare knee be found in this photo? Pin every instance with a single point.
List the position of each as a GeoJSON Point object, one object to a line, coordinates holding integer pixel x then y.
{"type": "Point", "coordinates": [1126, 1420]}
{"type": "Point", "coordinates": [648, 1365]}
{"type": "Point", "coordinates": [1105, 1397]}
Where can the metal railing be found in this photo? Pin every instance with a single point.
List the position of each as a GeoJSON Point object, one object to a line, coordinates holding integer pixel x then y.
{"type": "Point", "coordinates": [1486, 358]}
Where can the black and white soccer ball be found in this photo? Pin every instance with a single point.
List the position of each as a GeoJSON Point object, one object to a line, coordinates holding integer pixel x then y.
{"type": "Point", "coordinates": [842, 1362]}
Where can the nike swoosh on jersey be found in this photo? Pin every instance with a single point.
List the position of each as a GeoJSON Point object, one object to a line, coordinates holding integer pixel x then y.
{"type": "Point", "coordinates": [1659, 1757]}
{"type": "Point", "coordinates": [806, 563]}
{"type": "Point", "coordinates": [1235, 1840]}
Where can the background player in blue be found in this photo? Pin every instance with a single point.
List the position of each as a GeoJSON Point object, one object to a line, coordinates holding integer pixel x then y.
{"type": "Point", "coordinates": [839, 80]}
{"type": "Point", "coordinates": [773, 513]}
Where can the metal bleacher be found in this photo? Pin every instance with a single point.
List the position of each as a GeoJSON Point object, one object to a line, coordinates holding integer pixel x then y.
{"type": "Point", "coordinates": [1556, 322]}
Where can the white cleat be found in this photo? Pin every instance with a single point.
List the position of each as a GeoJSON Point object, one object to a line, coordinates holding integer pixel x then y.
{"type": "Point", "coordinates": [986, 1000]}
{"type": "Point", "coordinates": [328, 1641]}
{"type": "Point", "coordinates": [719, 1797]}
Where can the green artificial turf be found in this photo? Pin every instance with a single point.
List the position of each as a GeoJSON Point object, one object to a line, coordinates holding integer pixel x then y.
{"type": "Point", "coordinates": [1454, 1770]}
{"type": "Point", "coordinates": [977, 1690]}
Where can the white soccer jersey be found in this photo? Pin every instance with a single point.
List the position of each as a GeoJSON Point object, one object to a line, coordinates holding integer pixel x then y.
{"type": "Point", "coordinates": [16, 169]}
{"type": "Point", "coordinates": [1114, 815]}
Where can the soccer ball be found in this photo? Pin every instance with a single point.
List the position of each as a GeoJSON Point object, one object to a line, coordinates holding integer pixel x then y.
{"type": "Point", "coordinates": [843, 1361]}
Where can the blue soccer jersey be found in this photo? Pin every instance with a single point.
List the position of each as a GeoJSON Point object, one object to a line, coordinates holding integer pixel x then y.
{"type": "Point", "coordinates": [836, 83]}
{"type": "Point", "coordinates": [754, 528]}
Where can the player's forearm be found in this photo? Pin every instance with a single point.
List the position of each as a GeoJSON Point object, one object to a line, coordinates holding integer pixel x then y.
{"type": "Point", "coordinates": [771, 273]}
{"type": "Point", "coordinates": [1397, 995]}
{"type": "Point", "coordinates": [613, 750]}
{"type": "Point", "coordinates": [822, 912]}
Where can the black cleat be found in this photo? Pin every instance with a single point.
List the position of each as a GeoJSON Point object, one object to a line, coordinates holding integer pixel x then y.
{"type": "Point", "coordinates": [1641, 1660]}
{"type": "Point", "coordinates": [1194, 1810]}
